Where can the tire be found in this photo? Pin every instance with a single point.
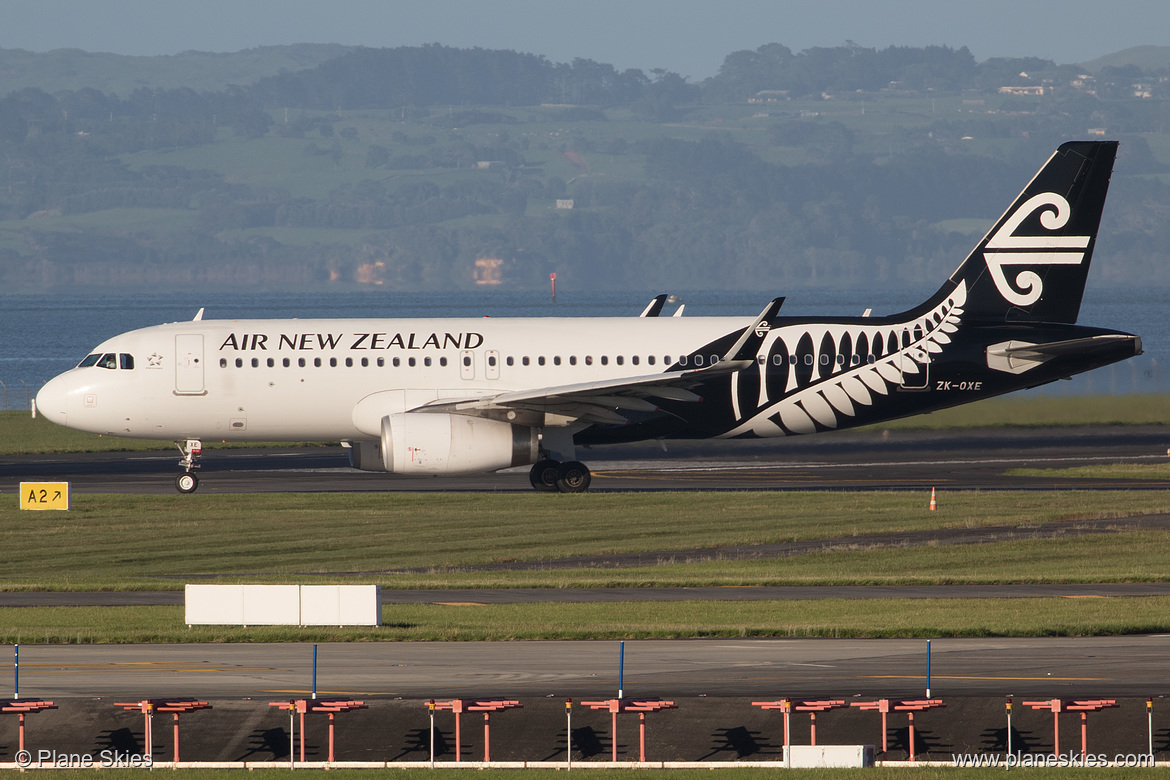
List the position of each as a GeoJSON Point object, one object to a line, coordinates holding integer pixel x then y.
{"type": "Point", "coordinates": [187, 482]}
{"type": "Point", "coordinates": [573, 477]}
{"type": "Point", "coordinates": [543, 475]}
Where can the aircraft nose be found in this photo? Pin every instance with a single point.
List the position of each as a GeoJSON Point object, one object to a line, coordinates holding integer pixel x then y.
{"type": "Point", "coordinates": [51, 400]}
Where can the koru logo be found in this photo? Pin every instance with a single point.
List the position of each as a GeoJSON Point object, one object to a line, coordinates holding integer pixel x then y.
{"type": "Point", "coordinates": [762, 328]}
{"type": "Point", "coordinates": [1005, 248]}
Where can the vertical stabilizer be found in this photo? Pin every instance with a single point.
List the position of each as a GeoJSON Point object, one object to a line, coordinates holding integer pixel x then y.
{"type": "Point", "coordinates": [1033, 264]}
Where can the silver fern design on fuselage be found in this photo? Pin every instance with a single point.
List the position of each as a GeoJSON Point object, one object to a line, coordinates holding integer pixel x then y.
{"type": "Point", "coordinates": [849, 367]}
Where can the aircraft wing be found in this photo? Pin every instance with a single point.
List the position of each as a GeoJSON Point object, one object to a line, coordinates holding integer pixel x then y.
{"type": "Point", "coordinates": [599, 401]}
{"type": "Point", "coordinates": [603, 400]}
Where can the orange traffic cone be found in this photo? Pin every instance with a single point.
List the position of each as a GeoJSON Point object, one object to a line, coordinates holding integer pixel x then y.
{"type": "Point", "coordinates": [933, 502]}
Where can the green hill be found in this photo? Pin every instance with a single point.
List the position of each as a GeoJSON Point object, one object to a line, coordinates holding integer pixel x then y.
{"type": "Point", "coordinates": [1147, 58]}
{"type": "Point", "coordinates": [73, 69]}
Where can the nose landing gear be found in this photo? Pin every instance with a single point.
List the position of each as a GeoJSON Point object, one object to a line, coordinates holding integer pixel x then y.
{"type": "Point", "coordinates": [188, 482]}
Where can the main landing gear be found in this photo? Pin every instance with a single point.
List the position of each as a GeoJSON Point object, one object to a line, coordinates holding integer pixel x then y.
{"type": "Point", "coordinates": [550, 476]}
{"type": "Point", "coordinates": [188, 482]}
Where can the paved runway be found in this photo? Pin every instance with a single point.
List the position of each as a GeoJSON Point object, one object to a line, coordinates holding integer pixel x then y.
{"type": "Point", "coordinates": [846, 460]}
{"type": "Point", "coordinates": [1095, 666]}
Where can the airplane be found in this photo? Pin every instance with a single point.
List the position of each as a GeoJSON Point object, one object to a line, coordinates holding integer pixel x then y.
{"type": "Point", "coordinates": [458, 396]}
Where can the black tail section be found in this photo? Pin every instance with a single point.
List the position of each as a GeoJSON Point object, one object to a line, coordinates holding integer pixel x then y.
{"type": "Point", "coordinates": [1033, 264]}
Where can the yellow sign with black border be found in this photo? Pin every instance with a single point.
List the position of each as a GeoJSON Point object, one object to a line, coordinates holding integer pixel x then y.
{"type": "Point", "coordinates": [44, 495]}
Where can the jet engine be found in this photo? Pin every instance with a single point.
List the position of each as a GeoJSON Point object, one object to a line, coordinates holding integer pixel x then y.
{"type": "Point", "coordinates": [421, 443]}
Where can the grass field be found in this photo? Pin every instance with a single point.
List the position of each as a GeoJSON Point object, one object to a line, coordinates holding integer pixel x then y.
{"type": "Point", "coordinates": [1153, 471]}
{"type": "Point", "coordinates": [422, 540]}
{"type": "Point", "coordinates": [428, 540]}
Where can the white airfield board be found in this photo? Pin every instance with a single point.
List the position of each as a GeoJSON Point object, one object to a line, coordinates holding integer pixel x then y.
{"type": "Point", "coordinates": [283, 605]}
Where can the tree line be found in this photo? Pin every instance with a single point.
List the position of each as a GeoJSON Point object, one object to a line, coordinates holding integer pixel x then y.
{"type": "Point", "coordinates": [709, 212]}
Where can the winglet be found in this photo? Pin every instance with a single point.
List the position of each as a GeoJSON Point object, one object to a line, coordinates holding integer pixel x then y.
{"type": "Point", "coordinates": [654, 308]}
{"type": "Point", "coordinates": [748, 344]}
{"type": "Point", "coordinates": [198, 315]}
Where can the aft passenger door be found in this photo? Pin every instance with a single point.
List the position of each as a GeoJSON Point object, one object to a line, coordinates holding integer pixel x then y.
{"type": "Point", "coordinates": [915, 365]}
{"type": "Point", "coordinates": [189, 364]}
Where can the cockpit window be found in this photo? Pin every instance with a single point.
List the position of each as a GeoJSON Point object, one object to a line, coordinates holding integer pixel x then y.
{"type": "Point", "coordinates": [125, 361]}
{"type": "Point", "coordinates": [89, 361]}
{"type": "Point", "coordinates": [108, 360]}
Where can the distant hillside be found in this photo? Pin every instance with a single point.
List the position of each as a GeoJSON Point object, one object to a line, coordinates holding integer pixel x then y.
{"type": "Point", "coordinates": [73, 69]}
{"type": "Point", "coordinates": [1148, 58]}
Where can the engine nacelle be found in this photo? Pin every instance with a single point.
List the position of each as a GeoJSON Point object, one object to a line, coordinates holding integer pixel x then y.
{"type": "Point", "coordinates": [422, 443]}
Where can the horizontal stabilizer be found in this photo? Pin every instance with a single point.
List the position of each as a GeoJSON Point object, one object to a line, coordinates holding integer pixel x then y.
{"type": "Point", "coordinates": [1016, 357]}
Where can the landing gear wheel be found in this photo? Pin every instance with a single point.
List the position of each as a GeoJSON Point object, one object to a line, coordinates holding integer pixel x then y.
{"type": "Point", "coordinates": [573, 477]}
{"type": "Point", "coordinates": [543, 475]}
{"type": "Point", "coordinates": [187, 482]}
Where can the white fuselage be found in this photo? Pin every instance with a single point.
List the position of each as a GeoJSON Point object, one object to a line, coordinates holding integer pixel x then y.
{"type": "Point", "coordinates": [281, 380]}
